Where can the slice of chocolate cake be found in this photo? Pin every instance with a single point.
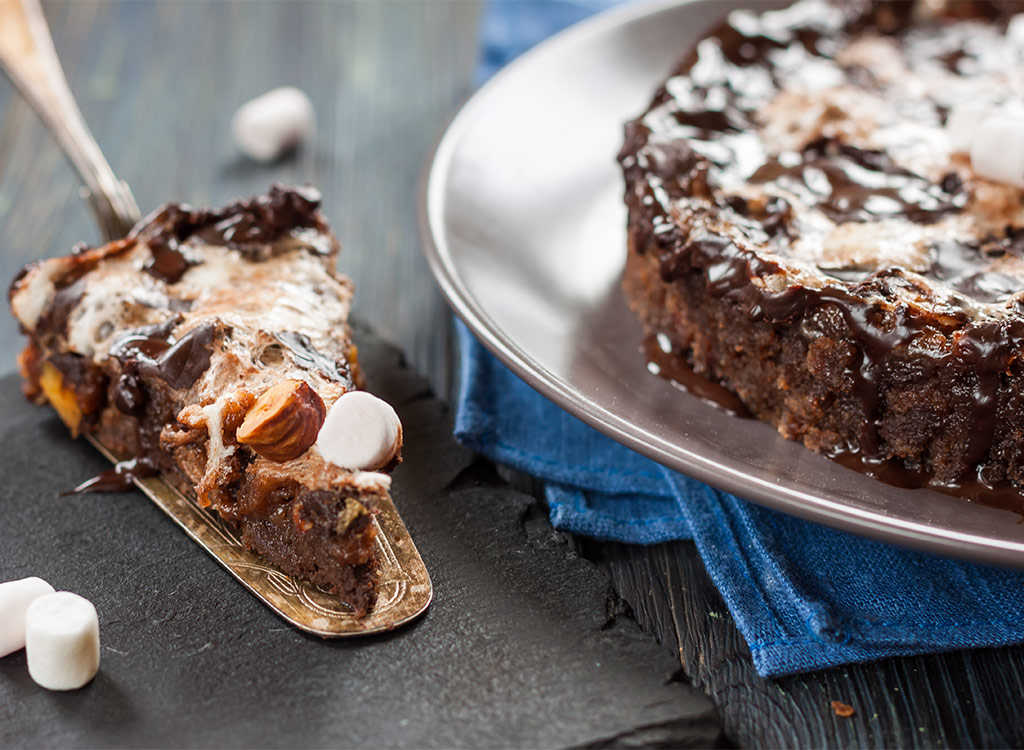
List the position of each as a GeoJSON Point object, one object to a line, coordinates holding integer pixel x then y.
{"type": "Point", "coordinates": [214, 346]}
{"type": "Point", "coordinates": [817, 222]}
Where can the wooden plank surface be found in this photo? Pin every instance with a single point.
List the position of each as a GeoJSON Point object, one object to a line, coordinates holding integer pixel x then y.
{"type": "Point", "coordinates": [159, 82]}
{"type": "Point", "coordinates": [962, 699]}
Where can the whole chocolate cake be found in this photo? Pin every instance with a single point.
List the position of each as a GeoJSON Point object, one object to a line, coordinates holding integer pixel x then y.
{"type": "Point", "coordinates": [812, 225]}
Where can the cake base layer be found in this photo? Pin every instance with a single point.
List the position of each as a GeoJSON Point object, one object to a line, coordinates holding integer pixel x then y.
{"type": "Point", "coordinates": [806, 385]}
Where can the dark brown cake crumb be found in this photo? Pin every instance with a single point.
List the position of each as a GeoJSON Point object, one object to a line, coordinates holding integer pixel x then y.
{"type": "Point", "coordinates": [842, 710]}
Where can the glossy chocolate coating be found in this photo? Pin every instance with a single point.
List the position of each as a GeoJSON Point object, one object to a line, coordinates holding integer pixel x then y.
{"type": "Point", "coordinates": [179, 363]}
{"type": "Point", "coordinates": [118, 477]}
{"type": "Point", "coordinates": [246, 225]}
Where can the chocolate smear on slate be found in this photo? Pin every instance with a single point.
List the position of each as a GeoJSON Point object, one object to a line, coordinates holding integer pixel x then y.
{"type": "Point", "coordinates": [117, 478]}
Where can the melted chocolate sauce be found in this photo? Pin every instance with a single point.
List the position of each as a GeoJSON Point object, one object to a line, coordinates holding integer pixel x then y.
{"type": "Point", "coordinates": [307, 356]}
{"type": "Point", "coordinates": [262, 219]}
{"type": "Point", "coordinates": [961, 265]}
{"type": "Point", "coordinates": [169, 262]}
{"type": "Point", "coordinates": [130, 395]}
{"type": "Point", "coordinates": [853, 184]}
{"type": "Point", "coordinates": [674, 367]}
{"type": "Point", "coordinates": [245, 225]}
{"type": "Point", "coordinates": [1003, 495]}
{"type": "Point", "coordinates": [150, 350]}
{"type": "Point", "coordinates": [118, 478]}
{"type": "Point", "coordinates": [65, 299]}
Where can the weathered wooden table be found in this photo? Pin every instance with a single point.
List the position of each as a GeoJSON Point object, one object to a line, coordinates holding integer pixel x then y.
{"type": "Point", "coordinates": [158, 82]}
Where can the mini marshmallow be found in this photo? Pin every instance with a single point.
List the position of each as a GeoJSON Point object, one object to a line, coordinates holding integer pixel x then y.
{"type": "Point", "coordinates": [963, 122]}
{"type": "Point", "coordinates": [1015, 29]}
{"type": "Point", "coordinates": [360, 432]}
{"type": "Point", "coordinates": [997, 150]}
{"type": "Point", "coordinates": [267, 126]}
{"type": "Point", "coordinates": [62, 641]}
{"type": "Point", "coordinates": [15, 596]}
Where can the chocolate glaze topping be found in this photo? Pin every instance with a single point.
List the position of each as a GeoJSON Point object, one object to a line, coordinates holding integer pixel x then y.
{"type": "Point", "coordinates": [855, 184]}
{"type": "Point", "coordinates": [170, 260]}
{"type": "Point", "coordinates": [306, 354]}
{"type": "Point", "coordinates": [701, 147]}
{"type": "Point", "coordinates": [151, 351]}
{"type": "Point", "coordinates": [247, 225]}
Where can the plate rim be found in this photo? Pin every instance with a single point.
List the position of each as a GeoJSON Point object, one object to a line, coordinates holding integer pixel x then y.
{"type": "Point", "coordinates": [778, 496]}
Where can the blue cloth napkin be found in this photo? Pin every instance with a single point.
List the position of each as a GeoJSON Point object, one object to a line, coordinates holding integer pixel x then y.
{"type": "Point", "coordinates": [805, 597]}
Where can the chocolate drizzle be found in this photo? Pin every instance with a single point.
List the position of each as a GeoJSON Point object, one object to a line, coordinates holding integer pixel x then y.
{"type": "Point", "coordinates": [307, 356]}
{"type": "Point", "coordinates": [151, 352]}
{"type": "Point", "coordinates": [962, 265]}
{"type": "Point", "coordinates": [672, 366]}
{"type": "Point", "coordinates": [169, 261]}
{"type": "Point", "coordinates": [1002, 494]}
{"type": "Point", "coordinates": [118, 478]}
{"type": "Point", "coordinates": [853, 184]}
{"type": "Point", "coordinates": [66, 297]}
{"type": "Point", "coordinates": [249, 226]}
{"type": "Point", "coordinates": [700, 139]}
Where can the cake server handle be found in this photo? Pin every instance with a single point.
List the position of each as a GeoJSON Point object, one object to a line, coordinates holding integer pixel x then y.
{"type": "Point", "coordinates": [28, 57]}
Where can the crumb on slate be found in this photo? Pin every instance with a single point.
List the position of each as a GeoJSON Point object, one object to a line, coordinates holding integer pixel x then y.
{"type": "Point", "coordinates": [845, 710]}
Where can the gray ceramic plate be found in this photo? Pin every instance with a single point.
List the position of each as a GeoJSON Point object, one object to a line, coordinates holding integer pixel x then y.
{"type": "Point", "coordinates": [526, 234]}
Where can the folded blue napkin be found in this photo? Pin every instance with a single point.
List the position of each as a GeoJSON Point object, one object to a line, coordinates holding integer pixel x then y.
{"type": "Point", "coordinates": [804, 597]}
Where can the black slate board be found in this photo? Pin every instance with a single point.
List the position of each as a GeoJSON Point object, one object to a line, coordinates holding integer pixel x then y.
{"type": "Point", "coordinates": [525, 645]}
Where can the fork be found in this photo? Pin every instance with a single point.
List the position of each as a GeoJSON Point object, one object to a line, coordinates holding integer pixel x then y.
{"type": "Point", "coordinates": [28, 57]}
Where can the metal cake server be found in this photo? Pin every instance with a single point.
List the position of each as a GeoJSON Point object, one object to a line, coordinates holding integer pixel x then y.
{"type": "Point", "coordinates": [28, 57]}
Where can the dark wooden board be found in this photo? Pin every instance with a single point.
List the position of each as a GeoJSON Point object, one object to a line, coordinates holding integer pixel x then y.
{"type": "Point", "coordinates": [524, 645]}
{"type": "Point", "coordinates": [159, 82]}
{"type": "Point", "coordinates": [962, 699]}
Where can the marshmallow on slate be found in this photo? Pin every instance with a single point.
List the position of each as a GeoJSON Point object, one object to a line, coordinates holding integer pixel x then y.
{"type": "Point", "coordinates": [267, 126]}
{"type": "Point", "coordinates": [360, 432]}
{"type": "Point", "coordinates": [15, 596]}
{"type": "Point", "coordinates": [62, 641]}
{"type": "Point", "coordinates": [997, 150]}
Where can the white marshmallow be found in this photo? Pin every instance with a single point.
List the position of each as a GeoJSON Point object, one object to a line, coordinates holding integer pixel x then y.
{"type": "Point", "coordinates": [62, 641]}
{"type": "Point", "coordinates": [267, 126]}
{"type": "Point", "coordinates": [997, 150]}
{"type": "Point", "coordinates": [15, 596]}
{"type": "Point", "coordinates": [963, 121]}
{"type": "Point", "coordinates": [360, 432]}
{"type": "Point", "coordinates": [1015, 29]}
